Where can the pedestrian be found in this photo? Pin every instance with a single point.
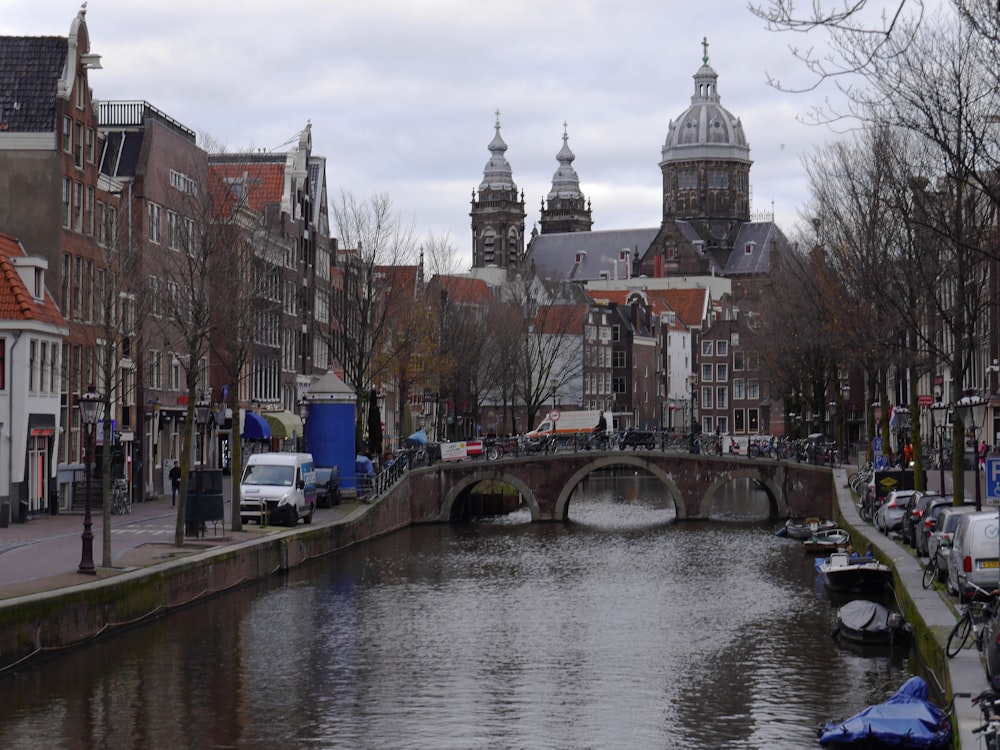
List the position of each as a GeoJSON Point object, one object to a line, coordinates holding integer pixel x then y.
{"type": "Point", "coordinates": [983, 450]}
{"type": "Point", "coordinates": [175, 482]}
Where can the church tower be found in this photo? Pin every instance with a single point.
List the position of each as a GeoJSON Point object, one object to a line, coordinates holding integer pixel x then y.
{"type": "Point", "coordinates": [567, 210]}
{"type": "Point", "coordinates": [706, 165]}
{"type": "Point", "coordinates": [497, 213]}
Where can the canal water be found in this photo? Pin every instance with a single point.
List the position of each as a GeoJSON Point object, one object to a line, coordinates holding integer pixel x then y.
{"type": "Point", "coordinates": [621, 629]}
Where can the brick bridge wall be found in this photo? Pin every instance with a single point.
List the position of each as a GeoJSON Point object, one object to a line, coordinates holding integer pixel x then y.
{"type": "Point", "coordinates": [437, 493]}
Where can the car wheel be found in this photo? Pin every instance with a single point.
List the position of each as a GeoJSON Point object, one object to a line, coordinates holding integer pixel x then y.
{"type": "Point", "coordinates": [293, 516]}
{"type": "Point", "coordinates": [309, 518]}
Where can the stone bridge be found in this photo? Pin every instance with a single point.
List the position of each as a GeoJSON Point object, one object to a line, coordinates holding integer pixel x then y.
{"type": "Point", "coordinates": [546, 482]}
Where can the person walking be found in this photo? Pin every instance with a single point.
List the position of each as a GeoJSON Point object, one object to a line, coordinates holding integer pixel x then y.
{"type": "Point", "coordinates": [175, 482]}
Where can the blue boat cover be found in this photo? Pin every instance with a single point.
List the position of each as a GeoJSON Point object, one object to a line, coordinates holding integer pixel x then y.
{"type": "Point", "coordinates": [418, 438]}
{"type": "Point", "coordinates": [906, 720]}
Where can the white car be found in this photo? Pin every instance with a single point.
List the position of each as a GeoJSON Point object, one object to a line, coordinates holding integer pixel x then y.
{"type": "Point", "coordinates": [889, 516]}
{"type": "Point", "coordinates": [939, 542]}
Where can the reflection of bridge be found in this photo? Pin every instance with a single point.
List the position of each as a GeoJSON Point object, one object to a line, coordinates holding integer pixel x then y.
{"type": "Point", "coordinates": [439, 492]}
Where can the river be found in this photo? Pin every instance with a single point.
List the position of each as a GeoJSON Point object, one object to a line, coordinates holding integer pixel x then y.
{"type": "Point", "coordinates": [621, 629]}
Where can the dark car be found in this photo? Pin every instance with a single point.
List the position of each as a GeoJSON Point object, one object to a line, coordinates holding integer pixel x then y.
{"type": "Point", "coordinates": [928, 522]}
{"type": "Point", "coordinates": [327, 486]}
{"type": "Point", "coordinates": [914, 512]}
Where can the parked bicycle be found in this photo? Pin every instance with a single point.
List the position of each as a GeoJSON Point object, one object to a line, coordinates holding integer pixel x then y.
{"type": "Point", "coordinates": [989, 705]}
{"type": "Point", "coordinates": [121, 503]}
{"type": "Point", "coordinates": [930, 572]}
{"type": "Point", "coordinates": [971, 626]}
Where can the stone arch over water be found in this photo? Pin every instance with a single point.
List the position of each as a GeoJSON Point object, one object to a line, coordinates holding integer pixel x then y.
{"type": "Point", "coordinates": [457, 493]}
{"type": "Point", "coordinates": [672, 490]}
{"type": "Point", "coordinates": [777, 505]}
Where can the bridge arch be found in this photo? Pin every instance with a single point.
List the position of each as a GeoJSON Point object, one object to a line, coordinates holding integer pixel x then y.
{"type": "Point", "coordinates": [777, 504]}
{"type": "Point", "coordinates": [673, 491]}
{"type": "Point", "coordinates": [462, 486]}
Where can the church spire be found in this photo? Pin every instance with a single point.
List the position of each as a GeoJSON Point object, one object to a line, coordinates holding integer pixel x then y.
{"type": "Point", "coordinates": [567, 211]}
{"type": "Point", "coordinates": [497, 212]}
{"type": "Point", "coordinates": [497, 174]}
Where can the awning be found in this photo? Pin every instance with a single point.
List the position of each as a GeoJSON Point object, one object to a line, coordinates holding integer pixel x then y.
{"type": "Point", "coordinates": [283, 424]}
{"type": "Point", "coordinates": [254, 426]}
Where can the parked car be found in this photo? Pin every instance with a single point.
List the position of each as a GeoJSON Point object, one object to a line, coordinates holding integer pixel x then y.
{"type": "Point", "coordinates": [327, 486]}
{"type": "Point", "coordinates": [928, 521]}
{"type": "Point", "coordinates": [975, 557]}
{"type": "Point", "coordinates": [939, 542]}
{"type": "Point", "coordinates": [889, 515]}
{"type": "Point", "coordinates": [914, 512]}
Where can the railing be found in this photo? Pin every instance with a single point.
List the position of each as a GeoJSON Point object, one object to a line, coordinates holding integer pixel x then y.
{"type": "Point", "coordinates": [386, 478]}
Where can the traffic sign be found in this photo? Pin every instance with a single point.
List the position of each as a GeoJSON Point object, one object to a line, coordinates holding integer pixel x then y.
{"type": "Point", "coordinates": [993, 477]}
{"type": "Point", "coordinates": [554, 415]}
{"type": "Point", "coordinates": [925, 399]}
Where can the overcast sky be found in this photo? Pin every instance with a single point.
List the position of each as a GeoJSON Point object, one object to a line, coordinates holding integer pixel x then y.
{"type": "Point", "coordinates": [402, 93]}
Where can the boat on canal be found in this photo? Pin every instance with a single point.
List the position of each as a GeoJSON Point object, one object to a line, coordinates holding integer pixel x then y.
{"type": "Point", "coordinates": [870, 623]}
{"type": "Point", "coordinates": [803, 527]}
{"type": "Point", "coordinates": [850, 572]}
{"type": "Point", "coordinates": [827, 542]}
{"type": "Point", "coordinates": [906, 720]}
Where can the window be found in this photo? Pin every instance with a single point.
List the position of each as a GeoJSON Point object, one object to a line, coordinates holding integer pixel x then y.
{"type": "Point", "coordinates": [753, 361]}
{"type": "Point", "coordinates": [43, 368]}
{"type": "Point", "coordinates": [180, 181]}
{"type": "Point", "coordinates": [78, 206]}
{"type": "Point", "coordinates": [722, 372]}
{"type": "Point", "coordinates": [188, 238]}
{"type": "Point", "coordinates": [111, 233]}
{"type": "Point", "coordinates": [739, 421]}
{"type": "Point", "coordinates": [753, 389]}
{"type": "Point", "coordinates": [88, 212]}
{"type": "Point", "coordinates": [67, 135]}
{"type": "Point", "coordinates": [154, 297]}
{"type": "Point", "coordinates": [154, 223]}
{"type": "Point", "coordinates": [722, 425]}
{"type": "Point", "coordinates": [706, 397]}
{"type": "Point", "coordinates": [77, 287]}
{"type": "Point", "coordinates": [33, 365]}
{"type": "Point", "coordinates": [616, 333]}
{"type": "Point", "coordinates": [99, 291]}
{"type": "Point", "coordinates": [739, 389]}
{"type": "Point", "coordinates": [155, 369]}
{"type": "Point", "coordinates": [78, 146]}
{"type": "Point", "coordinates": [618, 359]}
{"type": "Point", "coordinates": [707, 426]}
{"type": "Point", "coordinates": [173, 231]}
{"type": "Point", "coordinates": [722, 397]}
{"type": "Point", "coordinates": [722, 348]}
{"type": "Point", "coordinates": [706, 347]}
{"type": "Point", "coordinates": [90, 145]}
{"type": "Point", "coordinates": [67, 265]}
{"type": "Point", "coordinates": [88, 291]}
{"type": "Point", "coordinates": [619, 385]}
{"type": "Point", "coordinates": [734, 337]}
{"type": "Point", "coordinates": [67, 202]}
{"type": "Point", "coordinates": [706, 372]}
{"type": "Point", "coordinates": [737, 360]}
{"type": "Point", "coordinates": [174, 374]}
{"type": "Point", "coordinates": [753, 420]}
{"type": "Point", "coordinates": [102, 227]}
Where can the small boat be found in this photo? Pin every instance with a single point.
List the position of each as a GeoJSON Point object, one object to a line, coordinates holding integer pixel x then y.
{"type": "Point", "coordinates": [905, 720]}
{"type": "Point", "coordinates": [827, 541]}
{"type": "Point", "coordinates": [849, 572]}
{"type": "Point", "coordinates": [803, 527]}
{"type": "Point", "coordinates": [866, 622]}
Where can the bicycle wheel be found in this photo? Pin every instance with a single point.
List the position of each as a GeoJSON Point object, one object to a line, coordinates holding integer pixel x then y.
{"type": "Point", "coordinates": [960, 634]}
{"type": "Point", "coordinates": [930, 572]}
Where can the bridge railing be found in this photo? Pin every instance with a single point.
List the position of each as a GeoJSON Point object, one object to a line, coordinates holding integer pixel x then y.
{"type": "Point", "coordinates": [387, 478]}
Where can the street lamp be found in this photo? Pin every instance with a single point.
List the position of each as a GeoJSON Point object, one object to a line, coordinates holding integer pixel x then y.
{"type": "Point", "coordinates": [939, 431]}
{"type": "Point", "coordinates": [966, 408]}
{"type": "Point", "coordinates": [553, 386]}
{"type": "Point", "coordinates": [202, 411]}
{"type": "Point", "coordinates": [90, 403]}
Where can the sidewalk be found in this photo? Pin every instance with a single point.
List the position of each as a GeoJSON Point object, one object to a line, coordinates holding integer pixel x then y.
{"type": "Point", "coordinates": [44, 553]}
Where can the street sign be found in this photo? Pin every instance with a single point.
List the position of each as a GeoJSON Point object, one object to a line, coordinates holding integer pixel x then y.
{"type": "Point", "coordinates": [925, 399]}
{"type": "Point", "coordinates": [993, 477]}
{"type": "Point", "coordinates": [554, 415]}
{"type": "Point", "coordinates": [877, 444]}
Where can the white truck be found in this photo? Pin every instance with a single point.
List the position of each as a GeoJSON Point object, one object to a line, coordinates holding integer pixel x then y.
{"type": "Point", "coordinates": [569, 423]}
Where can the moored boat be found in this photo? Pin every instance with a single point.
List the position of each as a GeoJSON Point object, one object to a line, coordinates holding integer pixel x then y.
{"type": "Point", "coordinates": [867, 622]}
{"type": "Point", "coordinates": [827, 541]}
{"type": "Point", "coordinates": [803, 527]}
{"type": "Point", "coordinates": [905, 720]}
{"type": "Point", "coordinates": [849, 572]}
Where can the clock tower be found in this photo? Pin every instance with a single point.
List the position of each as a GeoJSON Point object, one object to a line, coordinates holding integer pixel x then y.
{"type": "Point", "coordinates": [497, 213]}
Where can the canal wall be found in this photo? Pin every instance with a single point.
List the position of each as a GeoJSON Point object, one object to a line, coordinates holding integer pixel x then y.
{"type": "Point", "coordinates": [38, 625]}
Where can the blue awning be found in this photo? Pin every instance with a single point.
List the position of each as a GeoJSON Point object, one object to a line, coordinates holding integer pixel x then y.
{"type": "Point", "coordinates": [255, 427]}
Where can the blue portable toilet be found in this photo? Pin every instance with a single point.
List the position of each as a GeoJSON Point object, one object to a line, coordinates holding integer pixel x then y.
{"type": "Point", "coordinates": [330, 427]}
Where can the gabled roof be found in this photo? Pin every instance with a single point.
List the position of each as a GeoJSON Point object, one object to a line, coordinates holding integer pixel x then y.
{"type": "Point", "coordinates": [752, 250]}
{"type": "Point", "coordinates": [30, 70]}
{"type": "Point", "coordinates": [690, 305]}
{"type": "Point", "coordinates": [464, 290]}
{"type": "Point", "coordinates": [261, 177]}
{"type": "Point", "coordinates": [16, 301]}
{"type": "Point", "coordinates": [583, 256]}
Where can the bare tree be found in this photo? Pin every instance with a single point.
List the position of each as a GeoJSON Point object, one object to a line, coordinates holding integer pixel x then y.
{"type": "Point", "coordinates": [371, 235]}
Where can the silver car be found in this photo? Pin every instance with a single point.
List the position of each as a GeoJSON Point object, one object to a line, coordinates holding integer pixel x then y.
{"type": "Point", "coordinates": [889, 516]}
{"type": "Point", "coordinates": [939, 542]}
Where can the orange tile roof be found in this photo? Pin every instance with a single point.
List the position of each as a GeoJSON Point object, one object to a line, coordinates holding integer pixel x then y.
{"type": "Point", "coordinates": [559, 319]}
{"type": "Point", "coordinates": [267, 180]}
{"type": "Point", "coordinates": [689, 304]}
{"type": "Point", "coordinates": [463, 290]}
{"type": "Point", "coordinates": [16, 302]}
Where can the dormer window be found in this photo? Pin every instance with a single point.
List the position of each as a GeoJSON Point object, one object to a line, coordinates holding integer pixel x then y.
{"type": "Point", "coordinates": [748, 248]}
{"type": "Point", "coordinates": [39, 290]}
{"type": "Point", "coordinates": [579, 258]}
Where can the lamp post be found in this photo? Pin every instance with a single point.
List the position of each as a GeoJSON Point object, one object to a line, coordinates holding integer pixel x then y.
{"type": "Point", "coordinates": [553, 387]}
{"type": "Point", "coordinates": [90, 403]}
{"type": "Point", "coordinates": [202, 411]}
{"type": "Point", "coordinates": [966, 408]}
{"type": "Point", "coordinates": [939, 431]}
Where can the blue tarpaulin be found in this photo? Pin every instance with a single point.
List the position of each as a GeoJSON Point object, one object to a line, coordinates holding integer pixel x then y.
{"type": "Point", "coordinates": [906, 720]}
{"type": "Point", "coordinates": [418, 438]}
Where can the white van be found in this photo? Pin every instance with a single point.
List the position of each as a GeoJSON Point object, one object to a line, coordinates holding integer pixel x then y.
{"type": "Point", "coordinates": [278, 488]}
{"type": "Point", "coordinates": [975, 555]}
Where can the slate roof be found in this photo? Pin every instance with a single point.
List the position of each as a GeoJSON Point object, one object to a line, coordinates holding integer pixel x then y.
{"type": "Point", "coordinates": [30, 69]}
{"type": "Point", "coordinates": [760, 237]}
{"type": "Point", "coordinates": [16, 302]}
{"type": "Point", "coordinates": [582, 256]}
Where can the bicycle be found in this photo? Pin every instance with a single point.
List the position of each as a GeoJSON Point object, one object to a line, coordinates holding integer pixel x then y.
{"type": "Point", "coordinates": [971, 626]}
{"type": "Point", "coordinates": [121, 503]}
{"type": "Point", "coordinates": [930, 572]}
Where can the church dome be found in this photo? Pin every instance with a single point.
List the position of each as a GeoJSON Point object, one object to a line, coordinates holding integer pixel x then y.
{"type": "Point", "coordinates": [565, 181]}
{"type": "Point", "coordinates": [497, 174]}
{"type": "Point", "coordinates": [706, 129]}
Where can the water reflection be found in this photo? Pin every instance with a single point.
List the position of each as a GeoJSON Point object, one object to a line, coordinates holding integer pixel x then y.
{"type": "Point", "coordinates": [621, 629]}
